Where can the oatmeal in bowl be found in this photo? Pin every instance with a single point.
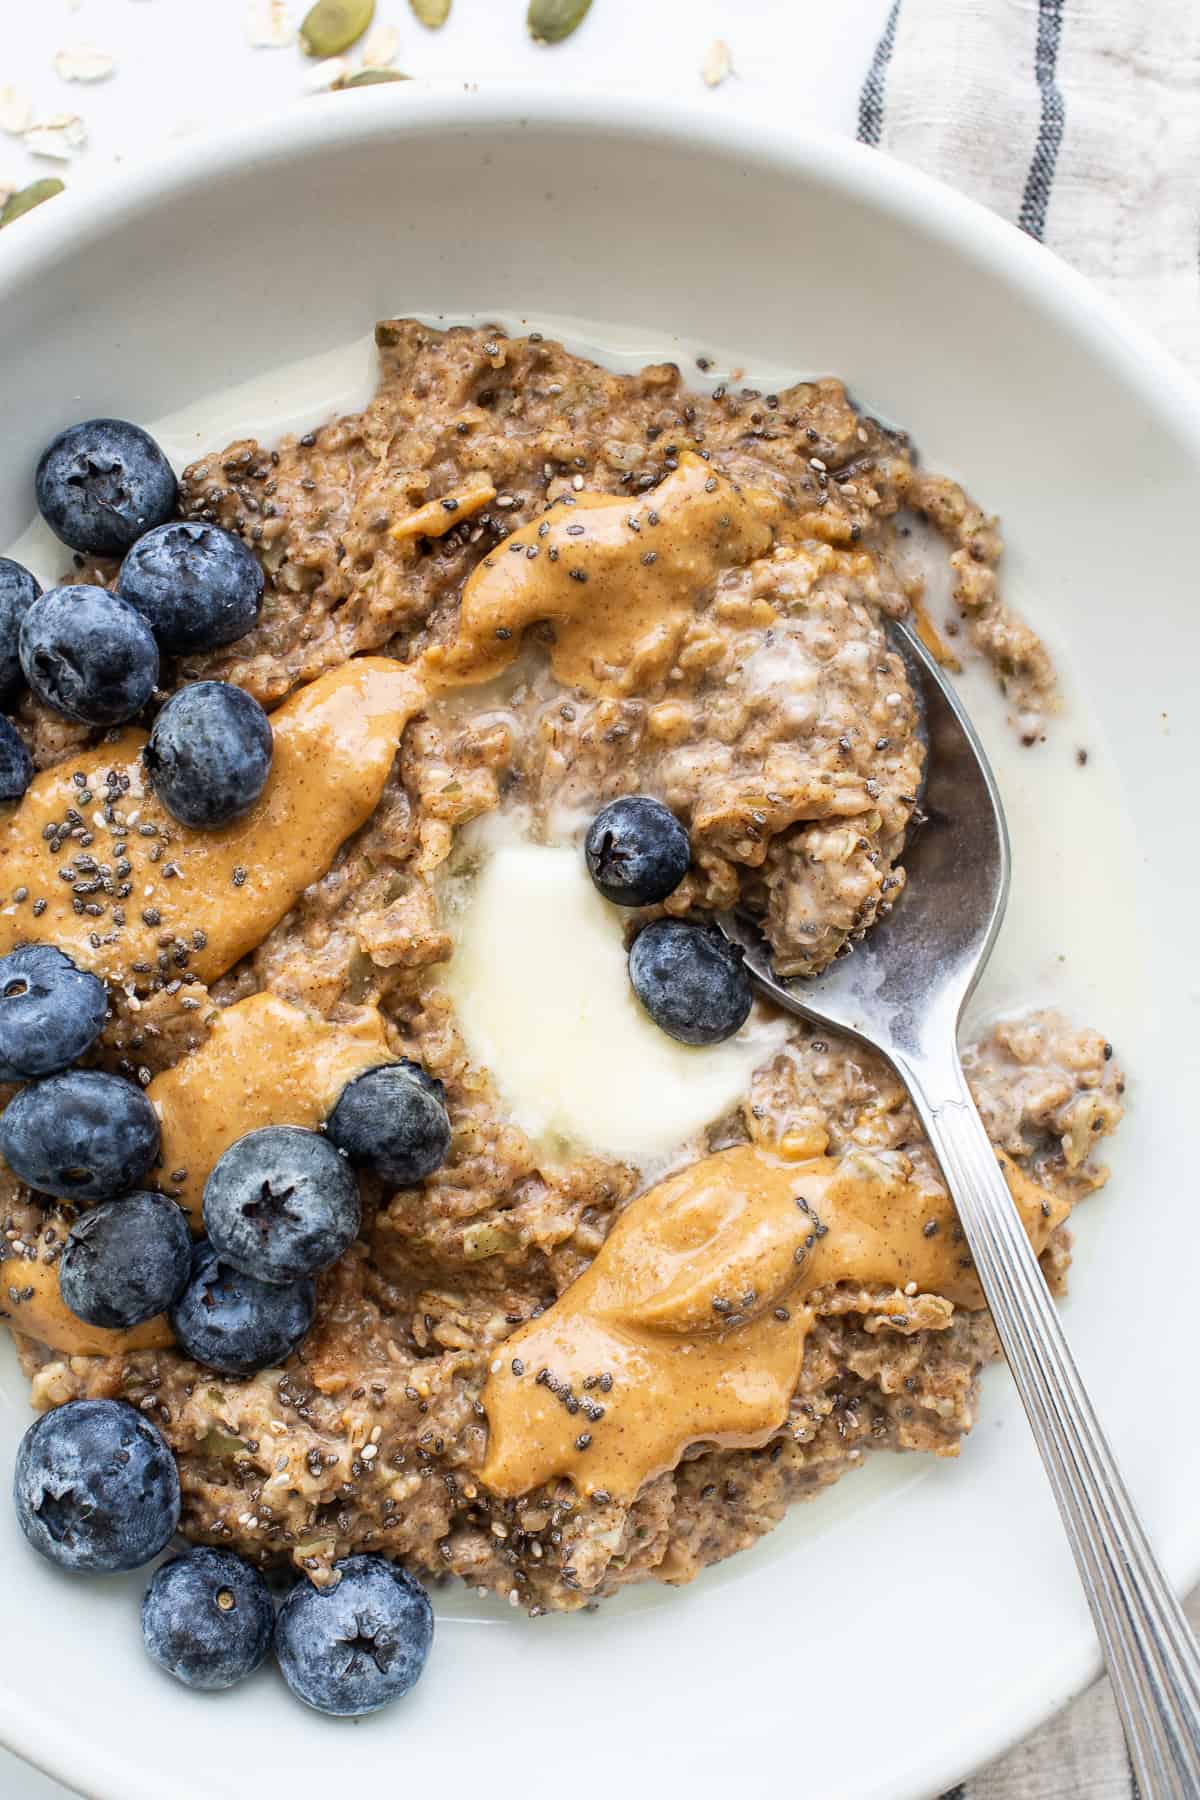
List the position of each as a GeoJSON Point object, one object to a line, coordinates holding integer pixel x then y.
{"type": "Point", "coordinates": [529, 1247]}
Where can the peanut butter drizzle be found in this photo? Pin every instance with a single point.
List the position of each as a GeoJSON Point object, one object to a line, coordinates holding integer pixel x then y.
{"type": "Point", "coordinates": [690, 1324]}
{"type": "Point", "coordinates": [45, 1315]}
{"type": "Point", "coordinates": [437, 517]}
{"type": "Point", "coordinates": [618, 578]}
{"type": "Point", "coordinates": [334, 745]}
{"type": "Point", "coordinates": [265, 1062]}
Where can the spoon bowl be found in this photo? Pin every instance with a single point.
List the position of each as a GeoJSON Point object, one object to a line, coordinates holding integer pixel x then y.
{"type": "Point", "coordinates": [903, 986]}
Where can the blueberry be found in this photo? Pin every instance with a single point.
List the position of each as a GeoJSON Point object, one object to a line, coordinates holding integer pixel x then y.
{"type": "Point", "coordinates": [207, 1619]}
{"type": "Point", "coordinates": [96, 1487]}
{"type": "Point", "coordinates": [230, 1322]}
{"type": "Point", "coordinates": [209, 754]}
{"type": "Point", "coordinates": [637, 851]}
{"type": "Point", "coordinates": [50, 1012]}
{"type": "Point", "coordinates": [349, 1649]}
{"type": "Point", "coordinates": [16, 764]}
{"type": "Point", "coordinates": [83, 1135]}
{"type": "Point", "coordinates": [89, 654]}
{"type": "Point", "coordinates": [281, 1203]}
{"type": "Point", "coordinates": [691, 980]}
{"type": "Point", "coordinates": [101, 484]}
{"type": "Point", "coordinates": [126, 1261]}
{"type": "Point", "coordinates": [198, 586]}
{"type": "Point", "coordinates": [393, 1121]}
{"type": "Point", "coordinates": [18, 591]}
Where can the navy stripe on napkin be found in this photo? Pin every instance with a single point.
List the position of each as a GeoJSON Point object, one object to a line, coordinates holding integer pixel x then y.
{"type": "Point", "coordinates": [870, 101]}
{"type": "Point", "coordinates": [1036, 198]}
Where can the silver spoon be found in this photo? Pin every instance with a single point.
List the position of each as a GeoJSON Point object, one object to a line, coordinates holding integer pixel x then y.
{"type": "Point", "coordinates": [902, 991]}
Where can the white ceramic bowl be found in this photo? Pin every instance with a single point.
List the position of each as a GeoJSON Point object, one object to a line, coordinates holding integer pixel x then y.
{"type": "Point", "coordinates": [895, 1634]}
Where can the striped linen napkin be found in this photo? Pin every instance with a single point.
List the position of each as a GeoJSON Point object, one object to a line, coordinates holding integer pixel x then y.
{"type": "Point", "coordinates": [1080, 121]}
{"type": "Point", "coordinates": [1077, 119]}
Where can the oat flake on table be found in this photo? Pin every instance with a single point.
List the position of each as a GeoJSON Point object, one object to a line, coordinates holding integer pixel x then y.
{"type": "Point", "coordinates": [16, 111]}
{"type": "Point", "coordinates": [59, 138]}
{"type": "Point", "coordinates": [269, 25]}
{"type": "Point", "coordinates": [717, 64]}
{"type": "Point", "coordinates": [326, 75]}
{"type": "Point", "coordinates": [381, 47]}
{"type": "Point", "coordinates": [83, 62]}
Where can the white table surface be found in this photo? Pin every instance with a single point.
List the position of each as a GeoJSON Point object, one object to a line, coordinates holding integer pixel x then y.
{"type": "Point", "coordinates": [184, 64]}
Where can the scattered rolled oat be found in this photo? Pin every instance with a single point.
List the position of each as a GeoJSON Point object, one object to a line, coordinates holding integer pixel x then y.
{"type": "Point", "coordinates": [328, 74]}
{"type": "Point", "coordinates": [16, 111]}
{"type": "Point", "coordinates": [59, 138]}
{"type": "Point", "coordinates": [269, 25]}
{"type": "Point", "coordinates": [381, 47]}
{"type": "Point", "coordinates": [83, 62]}
{"type": "Point", "coordinates": [717, 64]}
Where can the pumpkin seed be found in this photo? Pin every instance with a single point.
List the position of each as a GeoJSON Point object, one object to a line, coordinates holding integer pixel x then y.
{"type": "Point", "coordinates": [486, 1239]}
{"type": "Point", "coordinates": [370, 78]}
{"type": "Point", "coordinates": [216, 1442]}
{"type": "Point", "coordinates": [26, 198]}
{"type": "Point", "coordinates": [431, 12]}
{"type": "Point", "coordinates": [331, 26]}
{"type": "Point", "coordinates": [550, 21]}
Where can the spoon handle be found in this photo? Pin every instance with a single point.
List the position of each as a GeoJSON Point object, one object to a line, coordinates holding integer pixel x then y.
{"type": "Point", "coordinates": [1149, 1648]}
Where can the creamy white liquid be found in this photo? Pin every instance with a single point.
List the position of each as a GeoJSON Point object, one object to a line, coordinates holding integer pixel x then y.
{"type": "Point", "coordinates": [542, 993]}
{"type": "Point", "coordinates": [551, 1012]}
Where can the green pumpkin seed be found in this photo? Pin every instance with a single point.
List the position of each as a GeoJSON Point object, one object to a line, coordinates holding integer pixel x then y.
{"type": "Point", "coordinates": [331, 26]}
{"type": "Point", "coordinates": [431, 12]}
{"type": "Point", "coordinates": [369, 78]}
{"type": "Point", "coordinates": [26, 198]}
{"type": "Point", "coordinates": [550, 21]}
{"type": "Point", "coordinates": [485, 1239]}
{"type": "Point", "coordinates": [216, 1442]}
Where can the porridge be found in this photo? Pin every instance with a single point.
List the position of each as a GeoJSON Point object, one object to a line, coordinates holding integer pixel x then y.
{"type": "Point", "coordinates": [512, 590]}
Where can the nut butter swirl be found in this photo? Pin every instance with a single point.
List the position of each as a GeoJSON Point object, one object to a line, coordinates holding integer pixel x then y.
{"type": "Point", "coordinates": [143, 888]}
{"type": "Point", "coordinates": [689, 1326]}
{"type": "Point", "coordinates": [618, 579]}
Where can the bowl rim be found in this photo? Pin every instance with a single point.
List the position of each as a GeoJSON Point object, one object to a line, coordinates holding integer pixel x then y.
{"type": "Point", "coordinates": [81, 217]}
